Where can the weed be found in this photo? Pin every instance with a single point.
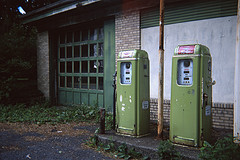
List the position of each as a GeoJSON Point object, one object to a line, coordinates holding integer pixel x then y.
{"type": "Point", "coordinates": [223, 149]}
{"type": "Point", "coordinates": [108, 121]}
{"type": "Point", "coordinates": [93, 141]}
{"type": "Point", "coordinates": [41, 113]}
{"type": "Point", "coordinates": [166, 150]}
{"type": "Point", "coordinates": [121, 151]}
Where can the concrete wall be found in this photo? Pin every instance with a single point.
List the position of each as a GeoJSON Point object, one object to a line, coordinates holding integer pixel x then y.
{"type": "Point", "coordinates": [43, 63]}
{"type": "Point", "coordinates": [219, 34]}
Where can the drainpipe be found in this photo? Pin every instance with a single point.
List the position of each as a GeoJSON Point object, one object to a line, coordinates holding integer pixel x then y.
{"type": "Point", "coordinates": [161, 70]}
{"type": "Point", "coordinates": [237, 81]}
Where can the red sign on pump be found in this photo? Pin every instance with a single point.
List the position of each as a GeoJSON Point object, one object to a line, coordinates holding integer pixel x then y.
{"type": "Point", "coordinates": [186, 49]}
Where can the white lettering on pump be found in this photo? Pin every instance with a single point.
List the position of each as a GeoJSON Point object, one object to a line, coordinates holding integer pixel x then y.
{"type": "Point", "coordinates": [120, 98]}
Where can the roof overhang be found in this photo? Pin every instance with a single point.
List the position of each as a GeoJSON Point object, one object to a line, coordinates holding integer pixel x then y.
{"type": "Point", "coordinates": [63, 6]}
{"type": "Point", "coordinates": [56, 8]}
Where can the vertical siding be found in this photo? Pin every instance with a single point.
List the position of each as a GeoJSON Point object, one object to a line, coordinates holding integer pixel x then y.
{"type": "Point", "coordinates": [189, 11]}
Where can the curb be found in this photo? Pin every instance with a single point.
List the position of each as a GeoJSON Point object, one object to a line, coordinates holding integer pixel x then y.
{"type": "Point", "coordinates": [147, 146]}
{"type": "Point", "coordinates": [145, 151]}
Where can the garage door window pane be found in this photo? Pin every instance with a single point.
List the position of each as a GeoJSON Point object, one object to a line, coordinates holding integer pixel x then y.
{"type": "Point", "coordinates": [84, 66]}
{"type": "Point", "coordinates": [69, 82]}
{"type": "Point", "coordinates": [93, 34]}
{"type": "Point", "coordinates": [100, 83]}
{"type": "Point", "coordinates": [76, 82]}
{"type": "Point", "coordinates": [100, 36]}
{"type": "Point", "coordinates": [62, 67]}
{"type": "Point", "coordinates": [76, 67]}
{"type": "Point", "coordinates": [93, 66]}
{"type": "Point", "coordinates": [76, 51]}
{"type": "Point", "coordinates": [84, 82]}
{"type": "Point", "coordinates": [84, 50]}
{"type": "Point", "coordinates": [69, 52]}
{"type": "Point", "coordinates": [92, 82]}
{"type": "Point", "coordinates": [69, 67]}
{"type": "Point", "coordinates": [93, 50]}
{"type": "Point", "coordinates": [100, 66]}
{"type": "Point", "coordinates": [100, 49]}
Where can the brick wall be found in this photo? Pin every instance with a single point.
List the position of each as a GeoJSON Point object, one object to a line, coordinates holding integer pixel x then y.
{"type": "Point", "coordinates": [43, 63]}
{"type": "Point", "coordinates": [127, 31]}
{"type": "Point", "coordinates": [154, 111]}
{"type": "Point", "coordinates": [222, 114]}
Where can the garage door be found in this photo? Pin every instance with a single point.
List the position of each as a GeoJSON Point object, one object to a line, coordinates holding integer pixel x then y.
{"type": "Point", "coordinates": [86, 62]}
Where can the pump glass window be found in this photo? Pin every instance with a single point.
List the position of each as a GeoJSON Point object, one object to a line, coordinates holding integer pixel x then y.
{"type": "Point", "coordinates": [126, 73]}
{"type": "Point", "coordinates": [185, 72]}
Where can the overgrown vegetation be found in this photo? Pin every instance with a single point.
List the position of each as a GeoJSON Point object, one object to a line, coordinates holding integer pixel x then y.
{"type": "Point", "coordinates": [122, 151]}
{"type": "Point", "coordinates": [224, 148]}
{"type": "Point", "coordinates": [166, 150]}
{"type": "Point", "coordinates": [41, 113]}
{"type": "Point", "coordinates": [17, 61]}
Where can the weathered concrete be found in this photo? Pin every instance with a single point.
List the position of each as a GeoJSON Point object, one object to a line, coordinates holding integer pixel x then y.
{"type": "Point", "coordinates": [219, 34]}
{"type": "Point", "coordinates": [43, 63]}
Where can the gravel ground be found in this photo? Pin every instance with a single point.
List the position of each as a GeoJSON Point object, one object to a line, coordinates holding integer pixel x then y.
{"type": "Point", "coordinates": [20, 141]}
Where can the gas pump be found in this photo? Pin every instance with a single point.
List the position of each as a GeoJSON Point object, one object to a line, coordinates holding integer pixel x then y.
{"type": "Point", "coordinates": [133, 94]}
{"type": "Point", "coordinates": [191, 95]}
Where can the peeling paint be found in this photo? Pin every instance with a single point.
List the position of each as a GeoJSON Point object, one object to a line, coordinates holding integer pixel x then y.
{"type": "Point", "coordinates": [123, 108]}
{"type": "Point", "coordinates": [130, 99]}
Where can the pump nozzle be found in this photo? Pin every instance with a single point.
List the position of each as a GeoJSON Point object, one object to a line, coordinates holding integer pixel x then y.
{"type": "Point", "coordinates": [211, 83]}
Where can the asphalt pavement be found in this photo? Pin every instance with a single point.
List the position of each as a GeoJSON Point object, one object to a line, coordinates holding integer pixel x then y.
{"type": "Point", "coordinates": [21, 145]}
{"type": "Point", "coordinates": [19, 141]}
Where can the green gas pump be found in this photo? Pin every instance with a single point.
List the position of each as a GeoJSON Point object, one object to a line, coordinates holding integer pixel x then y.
{"type": "Point", "coordinates": [191, 95]}
{"type": "Point", "coordinates": [133, 100]}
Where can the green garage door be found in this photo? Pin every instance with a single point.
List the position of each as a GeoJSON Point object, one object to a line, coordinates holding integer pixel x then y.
{"type": "Point", "coordinates": [81, 66]}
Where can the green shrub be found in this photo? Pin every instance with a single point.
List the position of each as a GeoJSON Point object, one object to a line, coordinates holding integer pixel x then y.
{"type": "Point", "coordinates": [17, 60]}
{"type": "Point", "coordinates": [166, 150]}
{"type": "Point", "coordinates": [223, 149]}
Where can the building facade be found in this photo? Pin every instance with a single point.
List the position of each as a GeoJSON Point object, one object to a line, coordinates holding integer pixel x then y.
{"type": "Point", "coordinates": [78, 42]}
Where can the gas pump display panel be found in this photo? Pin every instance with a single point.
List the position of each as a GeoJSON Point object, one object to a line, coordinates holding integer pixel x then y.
{"type": "Point", "coordinates": [185, 72]}
{"type": "Point", "coordinates": [126, 73]}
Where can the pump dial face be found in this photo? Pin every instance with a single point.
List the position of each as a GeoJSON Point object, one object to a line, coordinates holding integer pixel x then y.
{"type": "Point", "coordinates": [128, 65]}
{"type": "Point", "coordinates": [185, 72]}
{"type": "Point", "coordinates": [186, 63]}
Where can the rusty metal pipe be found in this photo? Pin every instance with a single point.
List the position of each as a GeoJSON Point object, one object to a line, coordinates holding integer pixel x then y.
{"type": "Point", "coordinates": [102, 121]}
{"type": "Point", "coordinates": [161, 70]}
